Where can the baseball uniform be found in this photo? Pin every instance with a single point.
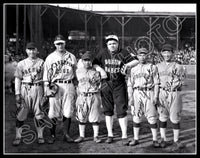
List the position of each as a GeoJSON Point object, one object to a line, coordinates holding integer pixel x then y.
{"type": "Point", "coordinates": [29, 92]}
{"type": "Point", "coordinates": [60, 70]}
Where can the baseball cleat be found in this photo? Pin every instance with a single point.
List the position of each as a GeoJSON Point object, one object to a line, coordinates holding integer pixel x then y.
{"type": "Point", "coordinates": [40, 141]}
{"type": "Point", "coordinates": [79, 140]}
{"type": "Point", "coordinates": [156, 144]}
{"type": "Point", "coordinates": [163, 143]}
{"type": "Point", "coordinates": [109, 140]}
{"type": "Point", "coordinates": [97, 140]}
{"type": "Point", "coordinates": [125, 141]}
{"type": "Point", "coordinates": [68, 139]}
{"type": "Point", "coordinates": [177, 145]}
{"type": "Point", "coordinates": [17, 141]}
{"type": "Point", "coordinates": [51, 139]}
{"type": "Point", "coordinates": [133, 142]}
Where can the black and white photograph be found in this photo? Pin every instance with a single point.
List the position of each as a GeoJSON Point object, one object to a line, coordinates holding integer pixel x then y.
{"type": "Point", "coordinates": [99, 78]}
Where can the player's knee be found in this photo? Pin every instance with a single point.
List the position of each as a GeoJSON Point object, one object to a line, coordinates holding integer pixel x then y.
{"type": "Point", "coordinates": [155, 125]}
{"type": "Point", "coordinates": [95, 123]}
{"type": "Point", "coordinates": [136, 124]}
{"type": "Point", "coordinates": [162, 124]}
{"type": "Point", "coordinates": [176, 125]}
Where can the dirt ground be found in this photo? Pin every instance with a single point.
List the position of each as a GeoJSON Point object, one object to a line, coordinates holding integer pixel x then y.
{"type": "Point", "coordinates": [187, 135]}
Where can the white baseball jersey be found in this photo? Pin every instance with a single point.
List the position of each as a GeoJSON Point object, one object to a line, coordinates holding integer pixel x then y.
{"type": "Point", "coordinates": [59, 66]}
{"type": "Point", "coordinates": [30, 71]}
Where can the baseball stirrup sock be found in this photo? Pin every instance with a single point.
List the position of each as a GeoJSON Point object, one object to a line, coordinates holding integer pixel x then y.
{"type": "Point", "coordinates": [136, 131]}
{"type": "Point", "coordinates": [176, 134]}
{"type": "Point", "coordinates": [18, 132]}
{"type": "Point", "coordinates": [66, 125]}
{"type": "Point", "coordinates": [163, 133]}
{"type": "Point", "coordinates": [123, 125]}
{"type": "Point", "coordinates": [82, 130]}
{"type": "Point", "coordinates": [95, 130]}
{"type": "Point", "coordinates": [109, 125]}
{"type": "Point", "coordinates": [154, 133]}
{"type": "Point", "coordinates": [53, 128]}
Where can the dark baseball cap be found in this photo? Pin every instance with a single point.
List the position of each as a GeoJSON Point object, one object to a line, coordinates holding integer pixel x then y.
{"type": "Point", "coordinates": [87, 55]}
{"type": "Point", "coordinates": [59, 39]}
{"type": "Point", "coordinates": [112, 37]}
{"type": "Point", "coordinates": [142, 51]}
{"type": "Point", "coordinates": [167, 47]}
{"type": "Point", "coordinates": [31, 45]}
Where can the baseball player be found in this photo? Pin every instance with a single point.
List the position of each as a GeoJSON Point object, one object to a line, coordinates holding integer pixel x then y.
{"type": "Point", "coordinates": [170, 105]}
{"type": "Point", "coordinates": [115, 62]}
{"type": "Point", "coordinates": [29, 92]}
{"type": "Point", "coordinates": [88, 102]}
{"type": "Point", "coordinates": [59, 68]}
{"type": "Point", "coordinates": [143, 88]}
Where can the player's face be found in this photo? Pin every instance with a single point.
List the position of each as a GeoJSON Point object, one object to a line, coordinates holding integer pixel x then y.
{"type": "Point", "coordinates": [167, 55]}
{"type": "Point", "coordinates": [112, 45]}
{"type": "Point", "coordinates": [32, 52]}
{"type": "Point", "coordinates": [142, 58]}
{"type": "Point", "coordinates": [60, 47]}
{"type": "Point", "coordinates": [87, 63]}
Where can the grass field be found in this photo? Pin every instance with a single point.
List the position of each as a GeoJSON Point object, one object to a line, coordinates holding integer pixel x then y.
{"type": "Point", "coordinates": [187, 136]}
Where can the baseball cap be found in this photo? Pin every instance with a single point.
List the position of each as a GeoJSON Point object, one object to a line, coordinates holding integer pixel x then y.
{"type": "Point", "coordinates": [31, 45]}
{"type": "Point", "coordinates": [167, 47]}
{"type": "Point", "coordinates": [59, 39]}
{"type": "Point", "coordinates": [87, 55]}
{"type": "Point", "coordinates": [112, 37]}
{"type": "Point", "coordinates": [142, 50]}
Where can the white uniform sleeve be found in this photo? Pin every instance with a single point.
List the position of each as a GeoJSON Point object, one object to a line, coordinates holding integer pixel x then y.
{"type": "Point", "coordinates": [17, 85]}
{"type": "Point", "coordinates": [101, 71]}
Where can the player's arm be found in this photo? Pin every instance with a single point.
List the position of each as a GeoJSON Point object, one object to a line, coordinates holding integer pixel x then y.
{"type": "Point", "coordinates": [129, 62]}
{"type": "Point", "coordinates": [130, 84]}
{"type": "Point", "coordinates": [156, 84]}
{"type": "Point", "coordinates": [101, 71]}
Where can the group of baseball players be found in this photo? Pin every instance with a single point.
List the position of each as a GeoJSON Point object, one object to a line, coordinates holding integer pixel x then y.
{"type": "Point", "coordinates": [80, 88]}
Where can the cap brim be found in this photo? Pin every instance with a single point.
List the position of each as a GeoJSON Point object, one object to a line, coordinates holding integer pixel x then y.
{"type": "Point", "coordinates": [59, 41]}
{"type": "Point", "coordinates": [111, 39]}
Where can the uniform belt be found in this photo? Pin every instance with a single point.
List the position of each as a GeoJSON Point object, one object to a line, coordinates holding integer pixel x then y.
{"type": "Point", "coordinates": [32, 84]}
{"type": "Point", "coordinates": [169, 90]}
{"type": "Point", "coordinates": [62, 81]}
{"type": "Point", "coordinates": [143, 88]}
{"type": "Point", "coordinates": [87, 94]}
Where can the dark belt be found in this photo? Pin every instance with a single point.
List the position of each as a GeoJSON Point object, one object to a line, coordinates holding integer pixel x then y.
{"type": "Point", "coordinates": [169, 90]}
{"type": "Point", "coordinates": [88, 94]}
{"type": "Point", "coordinates": [32, 84]}
{"type": "Point", "coordinates": [62, 81]}
{"type": "Point", "coordinates": [143, 88]}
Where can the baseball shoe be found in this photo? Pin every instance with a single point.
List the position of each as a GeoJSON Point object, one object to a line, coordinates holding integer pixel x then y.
{"type": "Point", "coordinates": [125, 142]}
{"type": "Point", "coordinates": [97, 139]}
{"type": "Point", "coordinates": [156, 144]}
{"type": "Point", "coordinates": [51, 139]}
{"type": "Point", "coordinates": [40, 141]}
{"type": "Point", "coordinates": [163, 143]}
{"type": "Point", "coordinates": [17, 141]}
{"type": "Point", "coordinates": [133, 142]}
{"type": "Point", "coordinates": [177, 145]}
{"type": "Point", "coordinates": [109, 140]}
{"type": "Point", "coordinates": [79, 140]}
{"type": "Point", "coordinates": [68, 139]}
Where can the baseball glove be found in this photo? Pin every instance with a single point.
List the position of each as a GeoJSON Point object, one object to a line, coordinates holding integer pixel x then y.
{"type": "Point", "coordinates": [51, 90]}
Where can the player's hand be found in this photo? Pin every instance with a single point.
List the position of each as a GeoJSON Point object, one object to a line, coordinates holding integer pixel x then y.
{"type": "Point", "coordinates": [124, 69]}
{"type": "Point", "coordinates": [18, 98]}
